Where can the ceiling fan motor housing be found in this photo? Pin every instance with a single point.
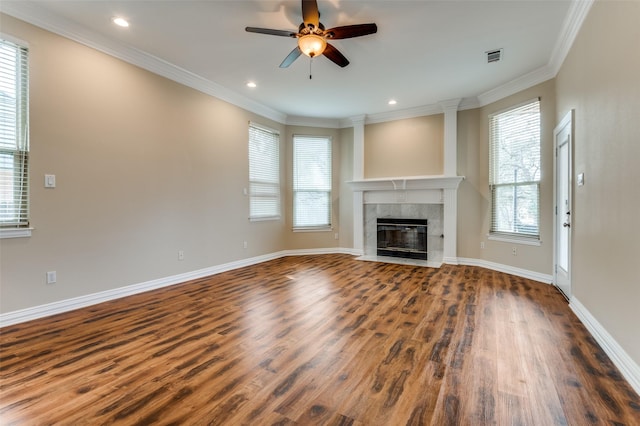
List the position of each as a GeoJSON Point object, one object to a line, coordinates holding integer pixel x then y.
{"type": "Point", "coordinates": [310, 29]}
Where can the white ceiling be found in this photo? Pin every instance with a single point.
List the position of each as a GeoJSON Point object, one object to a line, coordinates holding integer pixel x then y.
{"type": "Point", "coordinates": [424, 52]}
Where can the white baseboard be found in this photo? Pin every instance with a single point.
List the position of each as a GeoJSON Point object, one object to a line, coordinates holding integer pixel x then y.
{"type": "Point", "coordinates": [627, 366]}
{"type": "Point", "coordinates": [59, 307]}
{"type": "Point", "coordinates": [524, 273]}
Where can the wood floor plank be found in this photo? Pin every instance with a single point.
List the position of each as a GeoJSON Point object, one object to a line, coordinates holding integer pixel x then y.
{"type": "Point", "coordinates": [321, 339]}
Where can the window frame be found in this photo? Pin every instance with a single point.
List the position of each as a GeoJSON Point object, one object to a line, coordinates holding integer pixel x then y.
{"type": "Point", "coordinates": [272, 169]}
{"type": "Point", "coordinates": [497, 183]}
{"type": "Point", "coordinates": [18, 111]}
{"type": "Point", "coordinates": [328, 186]}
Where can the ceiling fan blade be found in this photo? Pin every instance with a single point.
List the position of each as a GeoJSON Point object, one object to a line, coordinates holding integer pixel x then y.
{"type": "Point", "coordinates": [283, 33]}
{"type": "Point", "coordinates": [350, 31]}
{"type": "Point", "coordinates": [335, 56]}
{"type": "Point", "coordinates": [310, 14]}
{"type": "Point", "coordinates": [291, 57]}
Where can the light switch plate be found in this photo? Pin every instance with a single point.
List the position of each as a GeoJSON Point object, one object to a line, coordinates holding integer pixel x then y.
{"type": "Point", "coordinates": [49, 181]}
{"type": "Point", "coordinates": [580, 179]}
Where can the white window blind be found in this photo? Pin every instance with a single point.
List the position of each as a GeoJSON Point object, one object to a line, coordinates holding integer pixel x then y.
{"type": "Point", "coordinates": [264, 173]}
{"type": "Point", "coordinates": [514, 170]}
{"type": "Point", "coordinates": [14, 136]}
{"type": "Point", "coordinates": [311, 182]}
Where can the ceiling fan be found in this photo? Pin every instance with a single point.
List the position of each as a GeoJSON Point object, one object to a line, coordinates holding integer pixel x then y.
{"type": "Point", "coordinates": [312, 36]}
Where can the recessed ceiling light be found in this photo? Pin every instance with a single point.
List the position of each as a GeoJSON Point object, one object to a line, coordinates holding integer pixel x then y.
{"type": "Point", "coordinates": [252, 84]}
{"type": "Point", "coordinates": [392, 102]}
{"type": "Point", "coordinates": [121, 22]}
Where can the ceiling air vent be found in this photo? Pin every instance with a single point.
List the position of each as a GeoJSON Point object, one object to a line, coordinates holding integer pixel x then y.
{"type": "Point", "coordinates": [494, 55]}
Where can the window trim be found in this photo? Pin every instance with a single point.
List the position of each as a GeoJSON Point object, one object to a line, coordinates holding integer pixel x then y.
{"type": "Point", "coordinates": [24, 228]}
{"type": "Point", "coordinates": [504, 236]}
{"type": "Point", "coordinates": [515, 239]}
{"type": "Point", "coordinates": [15, 232]}
{"type": "Point", "coordinates": [315, 228]}
{"type": "Point", "coordinates": [278, 216]}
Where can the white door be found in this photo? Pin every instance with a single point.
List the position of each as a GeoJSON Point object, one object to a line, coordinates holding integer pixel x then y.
{"type": "Point", "coordinates": [562, 221]}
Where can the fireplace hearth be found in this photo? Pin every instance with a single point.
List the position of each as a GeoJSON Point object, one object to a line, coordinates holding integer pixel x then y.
{"type": "Point", "coordinates": [404, 238]}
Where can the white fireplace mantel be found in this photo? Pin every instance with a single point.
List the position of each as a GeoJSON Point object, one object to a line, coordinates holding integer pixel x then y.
{"type": "Point", "coordinates": [406, 183]}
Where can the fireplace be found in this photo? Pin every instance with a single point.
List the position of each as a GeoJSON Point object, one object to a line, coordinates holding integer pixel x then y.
{"type": "Point", "coordinates": [428, 197]}
{"type": "Point", "coordinates": [405, 238]}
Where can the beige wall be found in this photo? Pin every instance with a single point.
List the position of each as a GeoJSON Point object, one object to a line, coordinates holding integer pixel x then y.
{"type": "Point", "coordinates": [473, 205]}
{"type": "Point", "coordinates": [600, 80]}
{"type": "Point", "coordinates": [474, 199]}
{"type": "Point", "coordinates": [410, 147]}
{"type": "Point", "coordinates": [145, 167]}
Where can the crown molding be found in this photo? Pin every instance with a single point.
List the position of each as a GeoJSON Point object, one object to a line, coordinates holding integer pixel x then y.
{"type": "Point", "coordinates": [469, 103]}
{"type": "Point", "coordinates": [519, 84]}
{"type": "Point", "coordinates": [578, 11]}
{"type": "Point", "coordinates": [349, 122]}
{"type": "Point", "coordinates": [450, 104]}
{"type": "Point", "coordinates": [402, 114]}
{"type": "Point", "coordinates": [39, 17]}
{"type": "Point", "coordinates": [327, 123]}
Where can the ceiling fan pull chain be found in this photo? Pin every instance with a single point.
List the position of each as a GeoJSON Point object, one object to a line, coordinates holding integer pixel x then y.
{"type": "Point", "coordinates": [310, 63]}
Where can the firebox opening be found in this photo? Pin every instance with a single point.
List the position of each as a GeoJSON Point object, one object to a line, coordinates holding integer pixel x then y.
{"type": "Point", "coordinates": [406, 238]}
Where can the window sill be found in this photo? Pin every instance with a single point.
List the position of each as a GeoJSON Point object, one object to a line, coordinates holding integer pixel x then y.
{"type": "Point", "coordinates": [15, 233]}
{"type": "Point", "coordinates": [263, 219]}
{"type": "Point", "coordinates": [314, 229]}
{"type": "Point", "coordinates": [527, 241]}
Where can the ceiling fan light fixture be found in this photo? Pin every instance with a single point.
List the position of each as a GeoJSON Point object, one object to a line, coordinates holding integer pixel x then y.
{"type": "Point", "coordinates": [312, 45]}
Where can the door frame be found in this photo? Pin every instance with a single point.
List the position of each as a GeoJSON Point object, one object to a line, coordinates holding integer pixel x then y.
{"type": "Point", "coordinates": [568, 119]}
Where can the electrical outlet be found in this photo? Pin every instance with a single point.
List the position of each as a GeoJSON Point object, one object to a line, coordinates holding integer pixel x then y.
{"type": "Point", "coordinates": [245, 244]}
{"type": "Point", "coordinates": [51, 277]}
{"type": "Point", "coordinates": [335, 236]}
{"type": "Point", "coordinates": [481, 244]}
{"type": "Point", "coordinates": [514, 251]}
{"type": "Point", "coordinates": [180, 254]}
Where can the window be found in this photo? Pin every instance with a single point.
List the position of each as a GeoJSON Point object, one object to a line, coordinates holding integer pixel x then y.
{"type": "Point", "coordinates": [264, 173]}
{"type": "Point", "coordinates": [514, 171]}
{"type": "Point", "coordinates": [311, 182]}
{"type": "Point", "coordinates": [14, 136]}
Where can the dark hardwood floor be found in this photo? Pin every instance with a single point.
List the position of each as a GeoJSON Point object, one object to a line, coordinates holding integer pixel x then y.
{"type": "Point", "coordinates": [318, 340]}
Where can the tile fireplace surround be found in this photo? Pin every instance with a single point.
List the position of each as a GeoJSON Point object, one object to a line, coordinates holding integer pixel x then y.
{"type": "Point", "coordinates": [432, 212]}
{"type": "Point", "coordinates": [426, 197]}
